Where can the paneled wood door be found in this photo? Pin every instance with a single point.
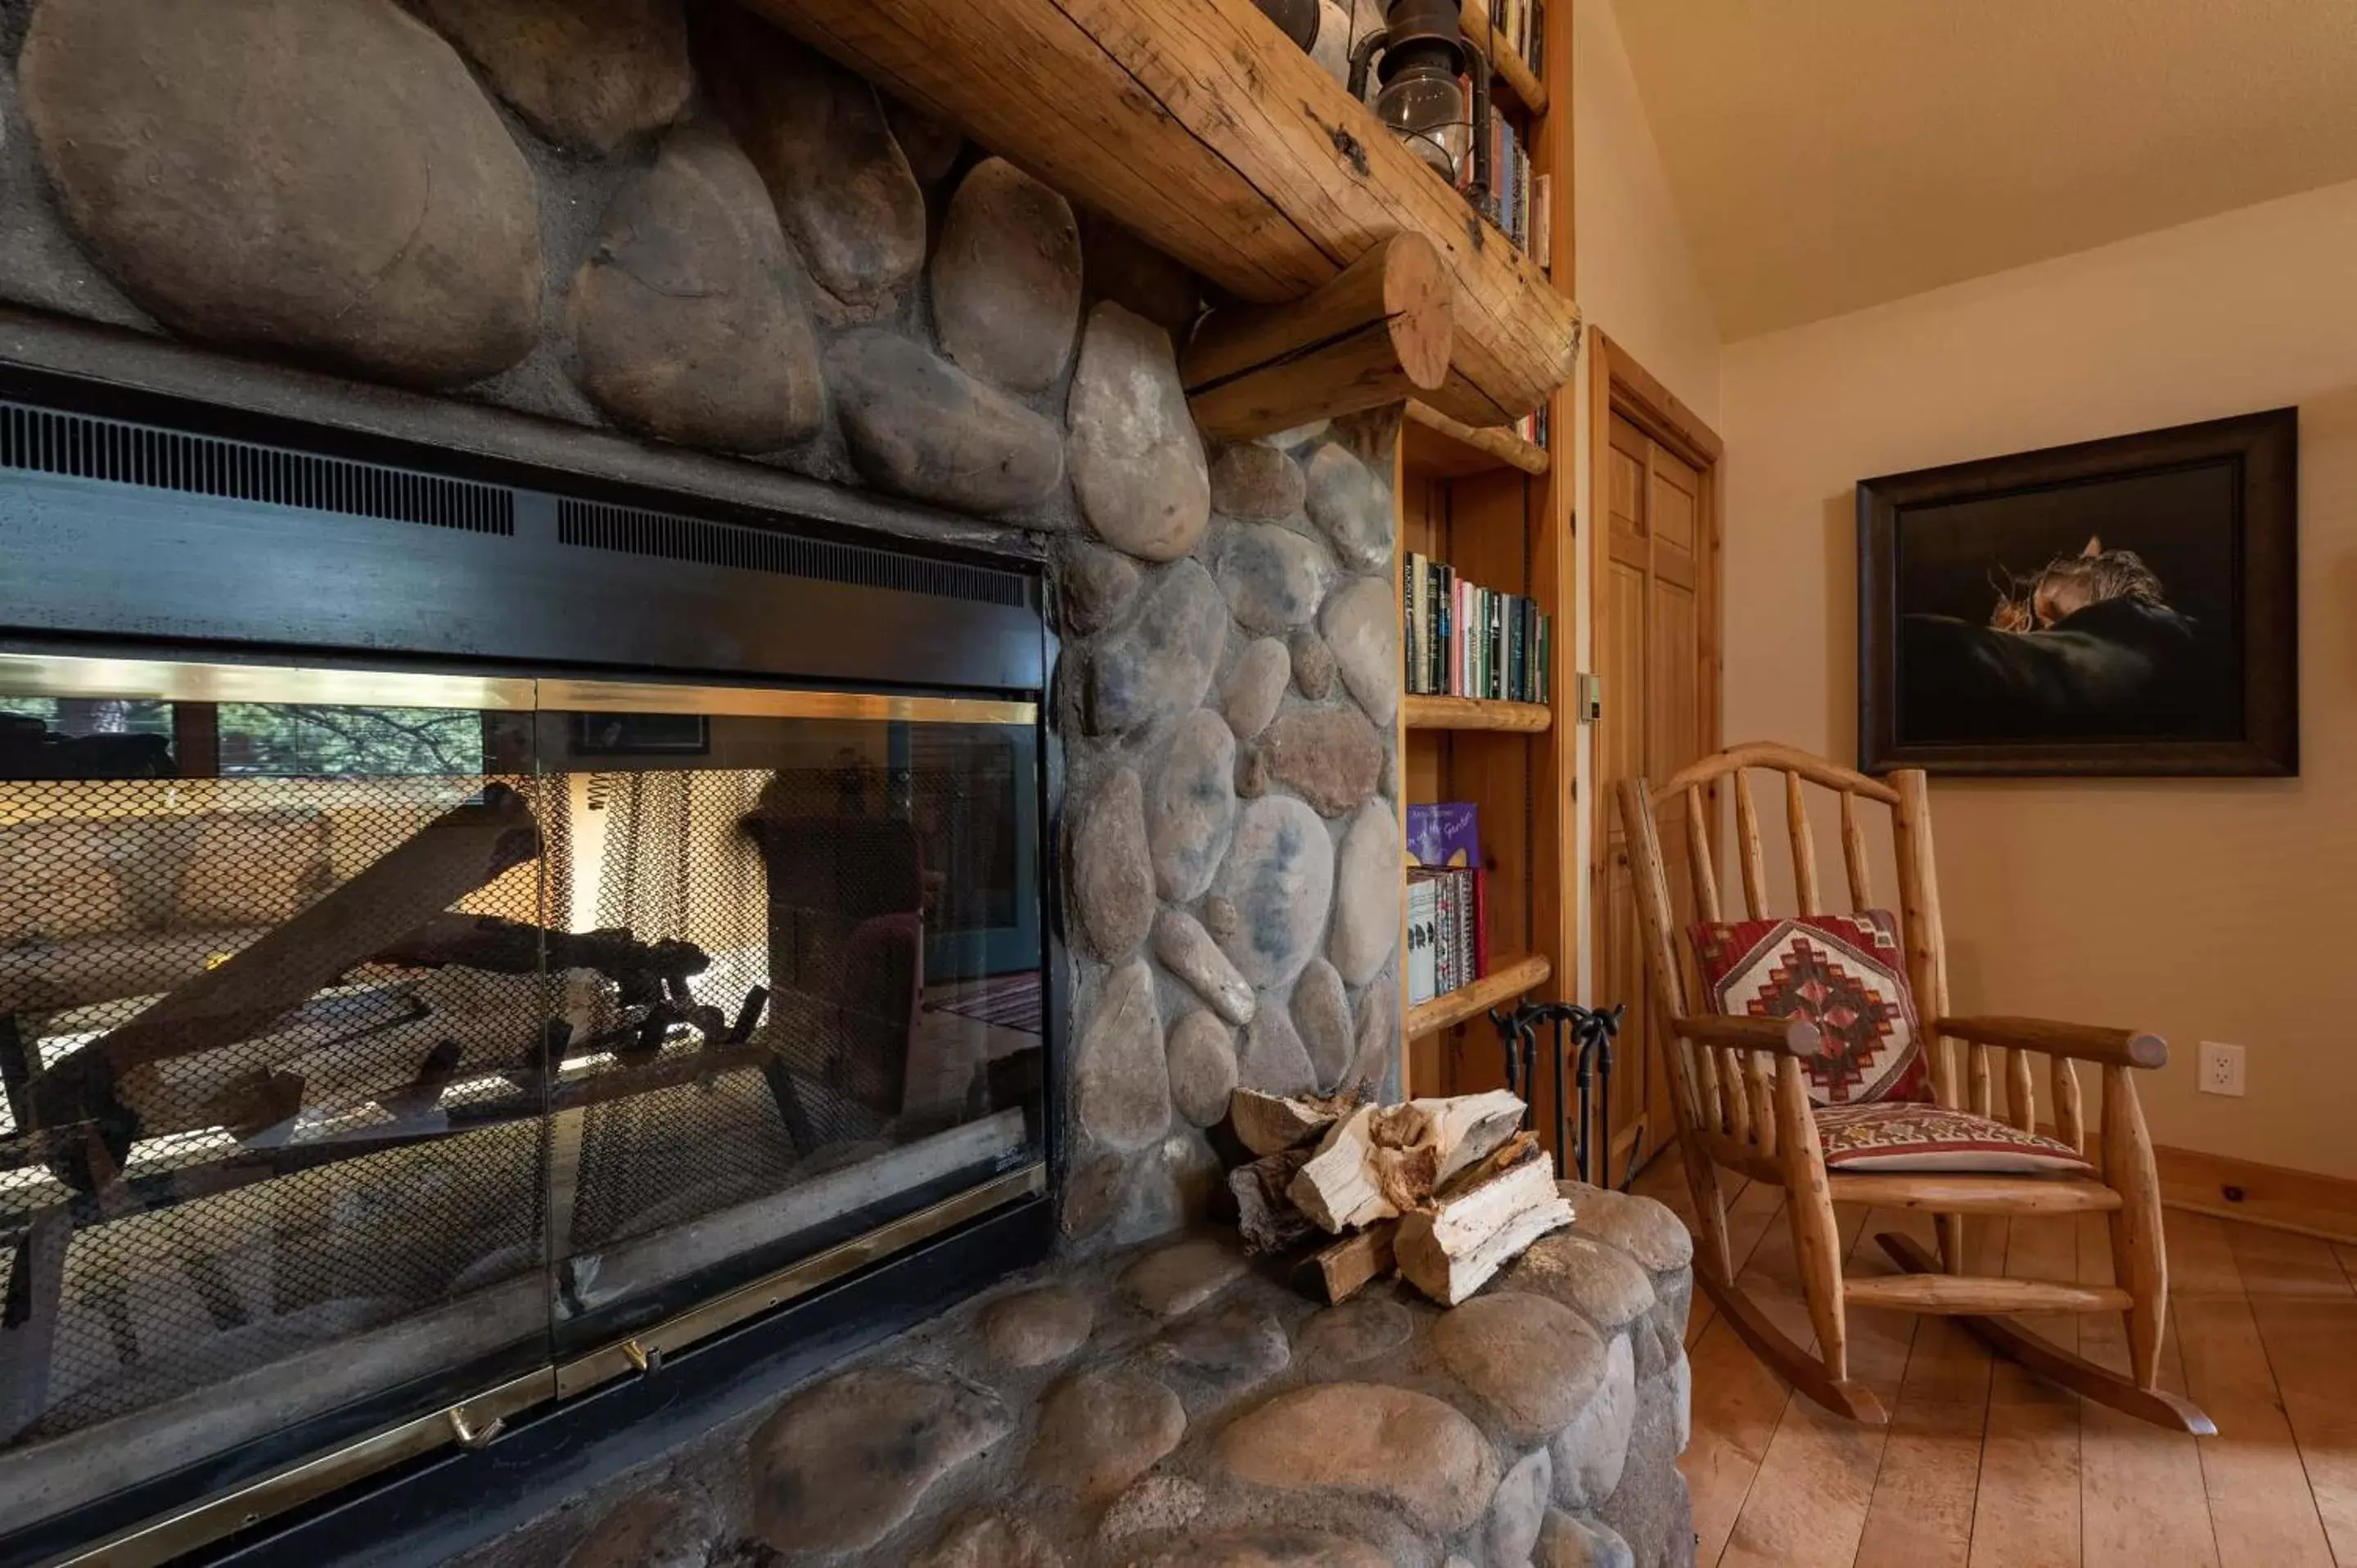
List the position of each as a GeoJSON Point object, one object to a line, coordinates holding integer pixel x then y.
{"type": "Point", "coordinates": [1655, 648]}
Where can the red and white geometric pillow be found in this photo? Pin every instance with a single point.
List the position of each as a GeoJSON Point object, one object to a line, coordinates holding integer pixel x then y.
{"type": "Point", "coordinates": [1846, 974]}
{"type": "Point", "coordinates": [1894, 1136]}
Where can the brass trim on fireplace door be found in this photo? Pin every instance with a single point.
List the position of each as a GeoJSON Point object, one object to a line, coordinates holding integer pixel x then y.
{"type": "Point", "coordinates": [181, 680]}
{"type": "Point", "coordinates": [702, 1321]}
{"type": "Point", "coordinates": [184, 680]}
{"type": "Point", "coordinates": [759, 701]}
{"type": "Point", "coordinates": [160, 1539]}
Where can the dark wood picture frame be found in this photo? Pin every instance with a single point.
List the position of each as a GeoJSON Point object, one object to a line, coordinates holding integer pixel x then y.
{"type": "Point", "coordinates": [2263, 450]}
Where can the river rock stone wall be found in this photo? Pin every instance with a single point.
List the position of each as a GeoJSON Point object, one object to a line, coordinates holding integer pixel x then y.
{"type": "Point", "coordinates": [673, 220]}
{"type": "Point", "coordinates": [1170, 1406]}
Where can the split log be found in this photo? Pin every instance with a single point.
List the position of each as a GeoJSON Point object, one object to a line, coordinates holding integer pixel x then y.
{"type": "Point", "coordinates": [1382, 1162]}
{"type": "Point", "coordinates": [1379, 333]}
{"type": "Point", "coordinates": [1270, 1125]}
{"type": "Point", "coordinates": [1340, 1270]}
{"type": "Point", "coordinates": [1265, 1217]}
{"type": "Point", "coordinates": [1451, 1250]}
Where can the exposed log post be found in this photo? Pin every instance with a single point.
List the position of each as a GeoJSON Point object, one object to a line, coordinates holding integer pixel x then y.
{"type": "Point", "coordinates": [1380, 333]}
{"type": "Point", "coordinates": [1197, 124]}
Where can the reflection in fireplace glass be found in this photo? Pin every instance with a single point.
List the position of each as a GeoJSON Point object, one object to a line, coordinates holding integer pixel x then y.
{"type": "Point", "coordinates": [357, 1055]}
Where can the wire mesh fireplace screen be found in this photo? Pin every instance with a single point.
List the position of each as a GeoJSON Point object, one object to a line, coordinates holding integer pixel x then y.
{"type": "Point", "coordinates": [365, 1039]}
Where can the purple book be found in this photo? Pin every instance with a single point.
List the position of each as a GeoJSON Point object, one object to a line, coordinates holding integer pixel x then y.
{"type": "Point", "coordinates": [1448, 833]}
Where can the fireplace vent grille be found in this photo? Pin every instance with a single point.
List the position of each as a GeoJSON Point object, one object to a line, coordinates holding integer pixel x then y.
{"type": "Point", "coordinates": [87, 447]}
{"type": "Point", "coordinates": [639, 530]}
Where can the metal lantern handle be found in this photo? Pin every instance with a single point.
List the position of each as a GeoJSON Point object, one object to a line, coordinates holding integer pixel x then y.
{"type": "Point", "coordinates": [1421, 23]}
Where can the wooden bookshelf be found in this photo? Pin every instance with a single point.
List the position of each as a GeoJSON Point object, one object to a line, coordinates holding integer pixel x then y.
{"type": "Point", "coordinates": [1506, 66]}
{"type": "Point", "coordinates": [1498, 508]}
{"type": "Point", "coordinates": [1472, 712]}
{"type": "Point", "coordinates": [1439, 444]}
{"type": "Point", "coordinates": [1509, 979]}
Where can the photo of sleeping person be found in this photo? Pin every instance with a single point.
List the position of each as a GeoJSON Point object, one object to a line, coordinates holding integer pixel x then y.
{"type": "Point", "coordinates": [2095, 612]}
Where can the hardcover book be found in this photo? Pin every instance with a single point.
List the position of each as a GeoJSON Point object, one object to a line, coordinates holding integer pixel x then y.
{"type": "Point", "coordinates": [1446, 834]}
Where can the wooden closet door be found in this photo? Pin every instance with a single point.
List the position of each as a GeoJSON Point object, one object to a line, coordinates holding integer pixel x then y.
{"type": "Point", "coordinates": [1650, 650]}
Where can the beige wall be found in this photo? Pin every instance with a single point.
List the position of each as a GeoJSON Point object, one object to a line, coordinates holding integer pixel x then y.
{"type": "Point", "coordinates": [1636, 276]}
{"type": "Point", "coordinates": [2205, 910]}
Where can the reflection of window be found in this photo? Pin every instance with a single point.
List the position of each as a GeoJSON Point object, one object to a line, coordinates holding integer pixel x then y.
{"type": "Point", "coordinates": [272, 739]}
{"type": "Point", "coordinates": [282, 739]}
{"type": "Point", "coordinates": [93, 715]}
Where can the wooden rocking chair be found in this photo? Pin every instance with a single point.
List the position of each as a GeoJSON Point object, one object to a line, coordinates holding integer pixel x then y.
{"type": "Point", "coordinates": [1740, 1085]}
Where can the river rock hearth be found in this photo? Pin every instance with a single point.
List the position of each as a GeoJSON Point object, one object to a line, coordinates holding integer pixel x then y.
{"type": "Point", "coordinates": [1206, 1412]}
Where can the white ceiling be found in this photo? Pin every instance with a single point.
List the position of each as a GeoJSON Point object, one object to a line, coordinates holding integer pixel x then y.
{"type": "Point", "coordinates": [1829, 155]}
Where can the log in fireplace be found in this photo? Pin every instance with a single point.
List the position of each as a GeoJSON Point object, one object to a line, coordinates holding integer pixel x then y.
{"type": "Point", "coordinates": [471, 939]}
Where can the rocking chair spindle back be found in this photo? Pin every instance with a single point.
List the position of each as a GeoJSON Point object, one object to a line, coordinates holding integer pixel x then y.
{"type": "Point", "coordinates": [1740, 1089]}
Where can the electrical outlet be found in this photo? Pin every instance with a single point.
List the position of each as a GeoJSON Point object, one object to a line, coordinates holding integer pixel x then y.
{"type": "Point", "coordinates": [2221, 1068]}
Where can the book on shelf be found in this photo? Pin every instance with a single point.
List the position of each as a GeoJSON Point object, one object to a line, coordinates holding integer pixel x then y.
{"type": "Point", "coordinates": [1542, 222]}
{"type": "Point", "coordinates": [1423, 914]}
{"type": "Point", "coordinates": [1460, 639]}
{"type": "Point", "coordinates": [1519, 26]}
{"type": "Point", "coordinates": [1448, 930]}
{"type": "Point", "coordinates": [1445, 832]}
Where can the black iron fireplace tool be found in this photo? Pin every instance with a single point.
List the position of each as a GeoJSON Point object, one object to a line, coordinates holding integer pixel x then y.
{"type": "Point", "coordinates": [1592, 1032]}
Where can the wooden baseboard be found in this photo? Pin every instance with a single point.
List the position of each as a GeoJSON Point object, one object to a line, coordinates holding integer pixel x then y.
{"type": "Point", "coordinates": [2282, 1200]}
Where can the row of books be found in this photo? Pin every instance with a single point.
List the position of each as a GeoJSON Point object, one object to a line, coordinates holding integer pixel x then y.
{"type": "Point", "coordinates": [1532, 426]}
{"type": "Point", "coordinates": [1448, 930]}
{"type": "Point", "coordinates": [1521, 26]}
{"type": "Point", "coordinates": [1518, 203]}
{"type": "Point", "coordinates": [1510, 197]}
{"type": "Point", "coordinates": [1464, 640]}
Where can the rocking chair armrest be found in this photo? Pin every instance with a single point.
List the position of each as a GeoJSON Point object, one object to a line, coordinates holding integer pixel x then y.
{"type": "Point", "coordinates": [1787, 1037]}
{"type": "Point", "coordinates": [2081, 1042]}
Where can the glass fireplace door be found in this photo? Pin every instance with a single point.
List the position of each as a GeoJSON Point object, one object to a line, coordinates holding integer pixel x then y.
{"type": "Point", "coordinates": [372, 1041]}
{"type": "Point", "coordinates": [268, 1165]}
{"type": "Point", "coordinates": [804, 1072]}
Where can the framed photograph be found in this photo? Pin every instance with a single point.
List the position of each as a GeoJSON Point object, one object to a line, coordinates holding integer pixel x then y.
{"type": "Point", "coordinates": [2120, 606]}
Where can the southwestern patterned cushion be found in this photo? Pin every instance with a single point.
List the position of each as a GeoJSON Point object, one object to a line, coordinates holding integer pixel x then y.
{"type": "Point", "coordinates": [1902, 1137]}
{"type": "Point", "coordinates": [1846, 974]}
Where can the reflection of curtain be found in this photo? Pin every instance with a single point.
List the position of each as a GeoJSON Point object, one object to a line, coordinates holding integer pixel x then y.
{"type": "Point", "coordinates": [679, 864]}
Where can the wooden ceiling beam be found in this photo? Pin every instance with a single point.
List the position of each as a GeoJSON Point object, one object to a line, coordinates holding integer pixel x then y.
{"type": "Point", "coordinates": [1197, 124]}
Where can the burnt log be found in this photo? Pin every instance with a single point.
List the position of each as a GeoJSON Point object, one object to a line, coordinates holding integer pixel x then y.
{"type": "Point", "coordinates": [646, 973]}
{"type": "Point", "coordinates": [1265, 1217]}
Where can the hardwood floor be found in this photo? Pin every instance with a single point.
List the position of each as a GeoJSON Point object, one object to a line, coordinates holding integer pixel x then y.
{"type": "Point", "coordinates": [1984, 1466]}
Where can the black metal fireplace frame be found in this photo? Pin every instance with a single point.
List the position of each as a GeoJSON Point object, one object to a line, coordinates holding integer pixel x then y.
{"type": "Point", "coordinates": [431, 560]}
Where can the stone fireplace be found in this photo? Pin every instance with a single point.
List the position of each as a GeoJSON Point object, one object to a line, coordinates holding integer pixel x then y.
{"type": "Point", "coordinates": [666, 260]}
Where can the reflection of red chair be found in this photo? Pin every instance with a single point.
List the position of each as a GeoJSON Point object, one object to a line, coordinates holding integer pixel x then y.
{"type": "Point", "coordinates": [846, 954]}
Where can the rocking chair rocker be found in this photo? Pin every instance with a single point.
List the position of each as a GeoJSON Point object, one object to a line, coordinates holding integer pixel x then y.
{"type": "Point", "coordinates": [1790, 1010]}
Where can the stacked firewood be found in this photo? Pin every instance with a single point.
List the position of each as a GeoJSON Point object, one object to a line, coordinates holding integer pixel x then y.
{"type": "Point", "coordinates": [1447, 1191]}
